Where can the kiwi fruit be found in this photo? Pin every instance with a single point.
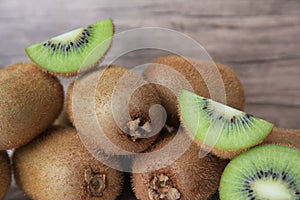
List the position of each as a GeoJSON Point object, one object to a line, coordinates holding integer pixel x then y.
{"type": "Point", "coordinates": [264, 172]}
{"type": "Point", "coordinates": [124, 117]}
{"type": "Point", "coordinates": [56, 165]}
{"type": "Point", "coordinates": [5, 174]}
{"type": "Point", "coordinates": [225, 130]}
{"type": "Point", "coordinates": [284, 137]}
{"type": "Point", "coordinates": [76, 50]}
{"type": "Point", "coordinates": [187, 178]}
{"type": "Point", "coordinates": [30, 102]}
{"type": "Point", "coordinates": [173, 73]}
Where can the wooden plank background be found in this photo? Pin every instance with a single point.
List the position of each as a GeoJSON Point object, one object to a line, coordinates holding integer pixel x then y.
{"type": "Point", "coordinates": [258, 39]}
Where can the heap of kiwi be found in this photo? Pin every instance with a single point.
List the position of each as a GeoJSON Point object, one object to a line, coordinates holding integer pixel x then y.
{"type": "Point", "coordinates": [170, 74]}
{"type": "Point", "coordinates": [75, 51]}
{"type": "Point", "coordinates": [5, 174]}
{"type": "Point", "coordinates": [30, 102]}
{"type": "Point", "coordinates": [187, 178]}
{"type": "Point", "coordinates": [56, 165]}
{"type": "Point", "coordinates": [133, 133]}
{"type": "Point", "coordinates": [264, 172]}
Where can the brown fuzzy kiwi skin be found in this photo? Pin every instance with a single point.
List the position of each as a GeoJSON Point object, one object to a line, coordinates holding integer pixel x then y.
{"type": "Point", "coordinates": [30, 102]}
{"type": "Point", "coordinates": [284, 137]}
{"type": "Point", "coordinates": [56, 165]}
{"type": "Point", "coordinates": [223, 154]}
{"type": "Point", "coordinates": [71, 74]}
{"type": "Point", "coordinates": [194, 177]}
{"type": "Point", "coordinates": [5, 174]}
{"type": "Point", "coordinates": [140, 102]}
{"type": "Point", "coordinates": [155, 73]}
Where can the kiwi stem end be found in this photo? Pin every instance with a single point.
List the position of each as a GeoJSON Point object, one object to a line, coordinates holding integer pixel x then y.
{"type": "Point", "coordinates": [95, 183]}
{"type": "Point", "coordinates": [138, 128]}
{"type": "Point", "coordinates": [161, 187]}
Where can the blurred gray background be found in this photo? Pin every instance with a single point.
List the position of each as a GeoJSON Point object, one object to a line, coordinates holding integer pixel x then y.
{"type": "Point", "coordinates": [260, 40]}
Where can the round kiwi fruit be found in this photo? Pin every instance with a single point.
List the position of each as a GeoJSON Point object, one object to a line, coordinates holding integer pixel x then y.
{"type": "Point", "coordinates": [187, 178]}
{"type": "Point", "coordinates": [124, 117]}
{"type": "Point", "coordinates": [56, 165]}
{"type": "Point", "coordinates": [263, 172]}
{"type": "Point", "coordinates": [170, 74]}
{"type": "Point", "coordinates": [5, 174]}
{"type": "Point", "coordinates": [284, 137]}
{"type": "Point", "coordinates": [224, 130]}
{"type": "Point", "coordinates": [30, 102]}
{"type": "Point", "coordinates": [76, 50]}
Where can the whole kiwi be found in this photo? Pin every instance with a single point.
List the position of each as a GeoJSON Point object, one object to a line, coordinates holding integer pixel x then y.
{"type": "Point", "coordinates": [112, 98]}
{"type": "Point", "coordinates": [187, 178]}
{"type": "Point", "coordinates": [284, 137]}
{"type": "Point", "coordinates": [169, 74]}
{"type": "Point", "coordinates": [56, 165]}
{"type": "Point", "coordinates": [5, 174]}
{"type": "Point", "coordinates": [30, 102]}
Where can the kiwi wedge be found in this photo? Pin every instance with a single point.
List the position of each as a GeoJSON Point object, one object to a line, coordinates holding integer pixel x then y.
{"type": "Point", "coordinates": [284, 137]}
{"type": "Point", "coordinates": [30, 102]}
{"type": "Point", "coordinates": [187, 178]}
{"type": "Point", "coordinates": [56, 165]}
{"type": "Point", "coordinates": [264, 172]}
{"type": "Point", "coordinates": [226, 130]}
{"type": "Point", "coordinates": [173, 73]}
{"type": "Point", "coordinates": [5, 174]}
{"type": "Point", "coordinates": [123, 117]}
{"type": "Point", "coordinates": [76, 50]}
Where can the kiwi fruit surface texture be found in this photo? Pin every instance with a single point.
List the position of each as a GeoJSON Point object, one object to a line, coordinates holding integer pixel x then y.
{"type": "Point", "coordinates": [56, 165]}
{"type": "Point", "coordinates": [170, 73]}
{"type": "Point", "coordinates": [227, 131]}
{"type": "Point", "coordinates": [187, 178]}
{"type": "Point", "coordinates": [30, 102]}
{"type": "Point", "coordinates": [77, 50]}
{"type": "Point", "coordinates": [268, 172]}
{"type": "Point", "coordinates": [124, 117]}
{"type": "Point", "coordinates": [5, 174]}
{"type": "Point", "coordinates": [284, 137]}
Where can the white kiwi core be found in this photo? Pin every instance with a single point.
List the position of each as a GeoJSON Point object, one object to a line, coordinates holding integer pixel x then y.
{"type": "Point", "coordinates": [270, 189]}
{"type": "Point", "coordinates": [69, 36]}
{"type": "Point", "coordinates": [225, 111]}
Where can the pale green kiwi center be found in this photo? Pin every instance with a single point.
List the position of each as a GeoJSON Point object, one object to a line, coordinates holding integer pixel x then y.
{"type": "Point", "coordinates": [268, 189]}
{"type": "Point", "coordinates": [70, 36]}
{"type": "Point", "coordinates": [226, 111]}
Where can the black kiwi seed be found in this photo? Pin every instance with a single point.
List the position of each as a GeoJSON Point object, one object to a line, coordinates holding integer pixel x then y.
{"type": "Point", "coordinates": [66, 47]}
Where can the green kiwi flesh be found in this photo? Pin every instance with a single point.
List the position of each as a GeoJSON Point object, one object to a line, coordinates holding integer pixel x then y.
{"type": "Point", "coordinates": [221, 126]}
{"type": "Point", "coordinates": [270, 172]}
{"type": "Point", "coordinates": [187, 178]}
{"type": "Point", "coordinates": [30, 102]}
{"type": "Point", "coordinates": [5, 174]}
{"type": "Point", "coordinates": [76, 50]}
{"type": "Point", "coordinates": [56, 165]}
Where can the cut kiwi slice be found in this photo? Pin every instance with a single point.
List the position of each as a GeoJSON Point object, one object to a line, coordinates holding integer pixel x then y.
{"type": "Point", "coordinates": [76, 50]}
{"type": "Point", "coordinates": [221, 126]}
{"type": "Point", "coordinates": [268, 172]}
